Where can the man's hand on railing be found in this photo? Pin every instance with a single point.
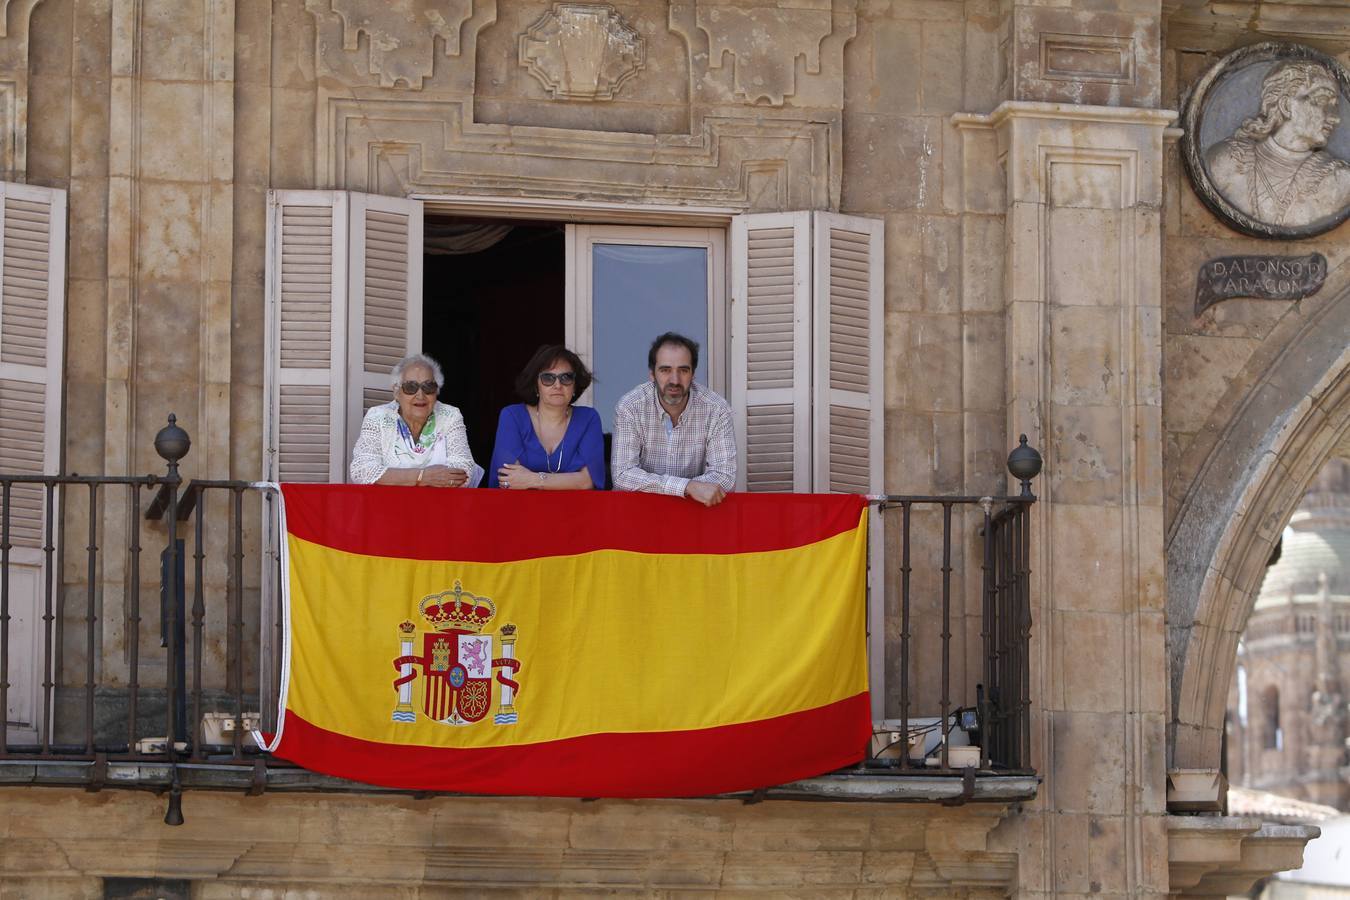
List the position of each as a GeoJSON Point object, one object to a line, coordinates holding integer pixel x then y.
{"type": "Point", "coordinates": [705, 492]}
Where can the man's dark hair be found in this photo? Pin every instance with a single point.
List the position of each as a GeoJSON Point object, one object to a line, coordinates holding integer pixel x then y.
{"type": "Point", "coordinates": [527, 382]}
{"type": "Point", "coordinates": [679, 340]}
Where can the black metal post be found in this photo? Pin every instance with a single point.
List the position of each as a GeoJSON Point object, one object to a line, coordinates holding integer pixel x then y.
{"type": "Point", "coordinates": [172, 444]}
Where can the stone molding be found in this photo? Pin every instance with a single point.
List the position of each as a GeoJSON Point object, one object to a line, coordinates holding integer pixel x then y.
{"type": "Point", "coordinates": [401, 34]}
{"type": "Point", "coordinates": [582, 51]}
{"type": "Point", "coordinates": [1222, 856]}
{"type": "Point", "coordinates": [15, 16]}
{"type": "Point", "coordinates": [397, 147]}
{"type": "Point", "coordinates": [530, 845]}
{"type": "Point", "coordinates": [1223, 24]}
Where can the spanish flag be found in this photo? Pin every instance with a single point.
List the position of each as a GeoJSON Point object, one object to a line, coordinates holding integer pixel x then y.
{"type": "Point", "coordinates": [572, 644]}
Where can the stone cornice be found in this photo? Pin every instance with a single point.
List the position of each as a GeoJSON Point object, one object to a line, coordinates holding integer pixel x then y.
{"type": "Point", "coordinates": [1066, 112]}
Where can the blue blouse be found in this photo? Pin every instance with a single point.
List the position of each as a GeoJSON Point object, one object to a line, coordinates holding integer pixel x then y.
{"type": "Point", "coordinates": [583, 444]}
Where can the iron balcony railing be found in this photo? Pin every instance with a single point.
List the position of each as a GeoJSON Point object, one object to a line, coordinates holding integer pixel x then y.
{"type": "Point", "coordinates": [103, 690]}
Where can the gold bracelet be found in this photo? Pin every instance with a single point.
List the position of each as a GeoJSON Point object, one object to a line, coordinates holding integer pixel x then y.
{"type": "Point", "coordinates": [419, 475]}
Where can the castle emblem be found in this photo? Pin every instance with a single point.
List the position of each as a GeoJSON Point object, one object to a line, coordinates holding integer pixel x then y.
{"type": "Point", "coordinates": [457, 662]}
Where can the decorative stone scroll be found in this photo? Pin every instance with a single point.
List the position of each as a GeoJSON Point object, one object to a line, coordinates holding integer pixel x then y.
{"type": "Point", "coordinates": [582, 51]}
{"type": "Point", "coordinates": [402, 34]}
{"type": "Point", "coordinates": [1259, 277]}
{"type": "Point", "coordinates": [1264, 142]}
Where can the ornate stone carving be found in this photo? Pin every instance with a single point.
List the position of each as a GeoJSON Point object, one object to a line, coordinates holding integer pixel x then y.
{"type": "Point", "coordinates": [582, 51]}
{"type": "Point", "coordinates": [1259, 277]}
{"type": "Point", "coordinates": [764, 45]}
{"type": "Point", "coordinates": [1264, 145]}
{"type": "Point", "coordinates": [402, 34]}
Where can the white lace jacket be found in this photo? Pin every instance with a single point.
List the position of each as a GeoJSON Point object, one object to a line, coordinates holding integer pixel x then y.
{"type": "Point", "coordinates": [379, 447]}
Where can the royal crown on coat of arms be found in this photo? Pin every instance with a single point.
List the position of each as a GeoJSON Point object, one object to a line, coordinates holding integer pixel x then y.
{"type": "Point", "coordinates": [457, 662]}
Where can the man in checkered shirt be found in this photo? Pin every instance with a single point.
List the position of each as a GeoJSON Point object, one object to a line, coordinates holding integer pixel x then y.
{"type": "Point", "coordinates": [672, 435]}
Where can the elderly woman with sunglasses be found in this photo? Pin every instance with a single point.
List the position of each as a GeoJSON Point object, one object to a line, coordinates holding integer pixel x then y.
{"type": "Point", "coordinates": [547, 443]}
{"type": "Point", "coordinates": [413, 440]}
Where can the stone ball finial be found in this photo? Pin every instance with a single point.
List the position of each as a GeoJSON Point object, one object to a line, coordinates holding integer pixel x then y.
{"type": "Point", "coordinates": [172, 443]}
{"type": "Point", "coordinates": [1024, 462]}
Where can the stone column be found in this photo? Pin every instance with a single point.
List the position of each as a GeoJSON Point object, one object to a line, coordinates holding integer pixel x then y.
{"type": "Point", "coordinates": [1082, 189]}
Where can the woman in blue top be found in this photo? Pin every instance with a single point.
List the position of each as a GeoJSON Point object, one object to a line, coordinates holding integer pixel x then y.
{"type": "Point", "coordinates": [546, 443]}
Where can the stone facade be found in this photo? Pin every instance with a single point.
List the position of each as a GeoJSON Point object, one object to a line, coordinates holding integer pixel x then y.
{"type": "Point", "coordinates": [1041, 247]}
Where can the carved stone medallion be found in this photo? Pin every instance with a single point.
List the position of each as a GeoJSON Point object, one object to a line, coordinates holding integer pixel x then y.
{"type": "Point", "coordinates": [1264, 142]}
{"type": "Point", "coordinates": [582, 51]}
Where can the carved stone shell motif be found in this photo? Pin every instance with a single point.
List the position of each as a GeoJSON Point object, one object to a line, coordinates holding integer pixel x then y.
{"type": "Point", "coordinates": [582, 51]}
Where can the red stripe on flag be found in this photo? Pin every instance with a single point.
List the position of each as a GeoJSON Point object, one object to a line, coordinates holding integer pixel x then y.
{"type": "Point", "coordinates": [695, 763]}
{"type": "Point", "coordinates": [468, 525]}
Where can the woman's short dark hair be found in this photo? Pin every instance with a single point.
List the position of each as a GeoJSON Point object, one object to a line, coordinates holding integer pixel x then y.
{"type": "Point", "coordinates": [678, 340]}
{"type": "Point", "coordinates": [527, 382]}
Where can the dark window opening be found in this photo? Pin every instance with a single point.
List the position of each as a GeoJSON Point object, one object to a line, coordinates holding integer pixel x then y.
{"type": "Point", "coordinates": [1272, 738]}
{"type": "Point", "coordinates": [493, 292]}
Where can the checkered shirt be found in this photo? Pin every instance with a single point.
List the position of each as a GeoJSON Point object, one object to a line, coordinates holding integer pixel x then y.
{"type": "Point", "coordinates": [700, 447]}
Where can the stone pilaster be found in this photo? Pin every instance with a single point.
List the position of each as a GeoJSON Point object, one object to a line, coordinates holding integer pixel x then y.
{"type": "Point", "coordinates": [1082, 188]}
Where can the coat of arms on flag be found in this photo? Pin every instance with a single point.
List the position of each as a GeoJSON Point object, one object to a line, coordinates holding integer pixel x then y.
{"type": "Point", "coordinates": [457, 662]}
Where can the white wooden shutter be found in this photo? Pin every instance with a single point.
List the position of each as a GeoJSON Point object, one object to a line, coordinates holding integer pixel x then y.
{"type": "Point", "coordinates": [306, 346]}
{"type": "Point", "coordinates": [771, 350]}
{"type": "Point", "coordinates": [32, 343]}
{"type": "Point", "coordinates": [847, 368]}
{"type": "Point", "coordinates": [385, 297]}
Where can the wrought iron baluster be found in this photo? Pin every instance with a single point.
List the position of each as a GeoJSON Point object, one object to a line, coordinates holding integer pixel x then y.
{"type": "Point", "coordinates": [989, 598]}
{"type": "Point", "coordinates": [946, 702]}
{"type": "Point", "coordinates": [235, 653]}
{"type": "Point", "coordinates": [198, 614]}
{"type": "Point", "coordinates": [51, 636]}
{"type": "Point", "coordinates": [134, 614]}
{"type": "Point", "coordinates": [90, 618]}
{"type": "Point", "coordinates": [904, 632]}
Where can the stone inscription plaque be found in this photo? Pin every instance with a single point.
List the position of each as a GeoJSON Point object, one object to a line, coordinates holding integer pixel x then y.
{"type": "Point", "coordinates": [1259, 277]}
{"type": "Point", "coordinates": [1264, 142]}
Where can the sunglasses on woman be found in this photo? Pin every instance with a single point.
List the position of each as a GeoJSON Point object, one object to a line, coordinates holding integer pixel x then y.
{"type": "Point", "coordinates": [563, 378]}
{"type": "Point", "coordinates": [427, 387]}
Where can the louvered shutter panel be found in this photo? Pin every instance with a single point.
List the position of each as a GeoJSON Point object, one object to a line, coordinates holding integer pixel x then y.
{"type": "Point", "coordinates": [385, 295]}
{"type": "Point", "coordinates": [305, 433]}
{"type": "Point", "coordinates": [848, 333]}
{"type": "Point", "coordinates": [32, 343]}
{"type": "Point", "coordinates": [771, 350]}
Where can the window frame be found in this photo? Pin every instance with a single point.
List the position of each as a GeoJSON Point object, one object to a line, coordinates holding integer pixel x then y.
{"type": "Point", "coordinates": [580, 238]}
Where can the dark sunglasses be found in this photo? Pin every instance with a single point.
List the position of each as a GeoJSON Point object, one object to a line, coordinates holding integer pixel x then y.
{"type": "Point", "coordinates": [427, 387]}
{"type": "Point", "coordinates": [563, 378]}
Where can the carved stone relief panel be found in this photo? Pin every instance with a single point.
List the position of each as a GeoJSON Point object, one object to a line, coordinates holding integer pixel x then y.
{"type": "Point", "coordinates": [767, 54]}
{"type": "Point", "coordinates": [619, 100]}
{"type": "Point", "coordinates": [1084, 56]}
{"type": "Point", "coordinates": [582, 51]}
{"type": "Point", "coordinates": [400, 35]}
{"type": "Point", "coordinates": [595, 66]}
{"type": "Point", "coordinates": [1264, 142]}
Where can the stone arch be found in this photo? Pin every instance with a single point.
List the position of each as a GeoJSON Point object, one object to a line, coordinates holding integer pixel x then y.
{"type": "Point", "coordinates": [1264, 452]}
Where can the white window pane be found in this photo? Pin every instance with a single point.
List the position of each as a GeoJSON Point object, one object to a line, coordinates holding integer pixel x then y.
{"type": "Point", "coordinates": [638, 292]}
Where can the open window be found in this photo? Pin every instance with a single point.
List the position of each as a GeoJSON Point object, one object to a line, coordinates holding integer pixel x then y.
{"type": "Point", "coordinates": [32, 344]}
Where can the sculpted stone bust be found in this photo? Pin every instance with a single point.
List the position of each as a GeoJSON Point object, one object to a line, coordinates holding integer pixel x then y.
{"type": "Point", "coordinates": [1275, 167]}
{"type": "Point", "coordinates": [1264, 142]}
